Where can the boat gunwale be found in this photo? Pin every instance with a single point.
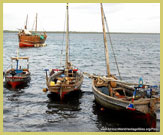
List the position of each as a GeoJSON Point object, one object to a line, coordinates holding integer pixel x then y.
{"type": "Point", "coordinates": [80, 80]}
{"type": "Point", "coordinates": [136, 102]}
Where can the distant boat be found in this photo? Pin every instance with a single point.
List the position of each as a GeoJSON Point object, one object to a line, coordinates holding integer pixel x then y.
{"type": "Point", "coordinates": [65, 80]}
{"type": "Point", "coordinates": [31, 38]}
{"type": "Point", "coordinates": [115, 94]}
{"type": "Point", "coordinates": [17, 77]}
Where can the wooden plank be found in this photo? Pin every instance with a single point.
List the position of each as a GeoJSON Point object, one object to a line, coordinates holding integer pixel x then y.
{"type": "Point", "coordinates": [16, 58]}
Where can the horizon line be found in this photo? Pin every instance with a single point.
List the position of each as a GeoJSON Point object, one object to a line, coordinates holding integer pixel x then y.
{"type": "Point", "coordinates": [89, 32]}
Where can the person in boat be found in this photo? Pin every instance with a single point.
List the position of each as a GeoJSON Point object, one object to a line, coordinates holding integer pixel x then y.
{"type": "Point", "coordinates": [13, 73]}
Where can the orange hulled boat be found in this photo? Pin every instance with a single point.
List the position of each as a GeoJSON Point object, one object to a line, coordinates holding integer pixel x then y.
{"type": "Point", "coordinates": [31, 38]}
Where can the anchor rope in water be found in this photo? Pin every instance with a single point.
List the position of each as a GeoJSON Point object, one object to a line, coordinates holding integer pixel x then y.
{"type": "Point", "coordinates": [107, 27]}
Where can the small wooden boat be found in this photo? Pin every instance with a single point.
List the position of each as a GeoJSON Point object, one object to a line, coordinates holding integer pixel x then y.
{"type": "Point", "coordinates": [31, 39]}
{"type": "Point", "coordinates": [115, 94]}
{"type": "Point", "coordinates": [17, 77]}
{"type": "Point", "coordinates": [65, 80]}
{"type": "Point", "coordinates": [121, 97]}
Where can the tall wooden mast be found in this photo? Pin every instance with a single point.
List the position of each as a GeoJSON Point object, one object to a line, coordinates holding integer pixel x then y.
{"type": "Point", "coordinates": [36, 24]}
{"type": "Point", "coordinates": [25, 27]}
{"type": "Point", "coordinates": [67, 39]}
{"type": "Point", "coordinates": [105, 42]}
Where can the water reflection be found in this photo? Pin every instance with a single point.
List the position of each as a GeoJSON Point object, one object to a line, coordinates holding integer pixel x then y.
{"type": "Point", "coordinates": [59, 110]}
{"type": "Point", "coordinates": [14, 100]}
{"type": "Point", "coordinates": [114, 121]}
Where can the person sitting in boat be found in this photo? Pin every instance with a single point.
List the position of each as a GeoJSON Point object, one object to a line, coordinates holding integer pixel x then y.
{"type": "Point", "coordinates": [13, 73]}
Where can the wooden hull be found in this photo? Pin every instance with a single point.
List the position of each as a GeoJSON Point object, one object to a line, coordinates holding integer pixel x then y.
{"type": "Point", "coordinates": [17, 80]}
{"type": "Point", "coordinates": [143, 110]}
{"type": "Point", "coordinates": [142, 106]}
{"type": "Point", "coordinates": [124, 119]}
{"type": "Point", "coordinates": [31, 40]}
{"type": "Point", "coordinates": [65, 89]}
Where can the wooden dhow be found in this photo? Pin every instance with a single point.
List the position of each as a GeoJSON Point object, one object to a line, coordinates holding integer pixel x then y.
{"type": "Point", "coordinates": [115, 94]}
{"type": "Point", "coordinates": [31, 38]}
{"type": "Point", "coordinates": [64, 80]}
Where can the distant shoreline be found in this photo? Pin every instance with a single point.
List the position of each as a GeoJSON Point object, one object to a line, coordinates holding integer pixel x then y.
{"type": "Point", "coordinates": [12, 31]}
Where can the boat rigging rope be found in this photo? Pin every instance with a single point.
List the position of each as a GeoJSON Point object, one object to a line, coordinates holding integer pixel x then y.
{"type": "Point", "coordinates": [62, 42]}
{"type": "Point", "coordinates": [7, 68]}
{"type": "Point", "coordinates": [33, 24]}
{"type": "Point", "coordinates": [69, 50]}
{"type": "Point", "coordinates": [107, 27]}
{"type": "Point", "coordinates": [40, 24]}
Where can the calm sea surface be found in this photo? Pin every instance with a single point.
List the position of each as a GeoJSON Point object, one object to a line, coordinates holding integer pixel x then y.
{"type": "Point", "coordinates": [30, 109]}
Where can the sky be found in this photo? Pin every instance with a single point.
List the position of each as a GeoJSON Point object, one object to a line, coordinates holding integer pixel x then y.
{"type": "Point", "coordinates": [84, 17]}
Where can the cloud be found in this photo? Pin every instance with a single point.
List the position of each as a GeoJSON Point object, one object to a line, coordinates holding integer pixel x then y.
{"type": "Point", "coordinates": [122, 17]}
